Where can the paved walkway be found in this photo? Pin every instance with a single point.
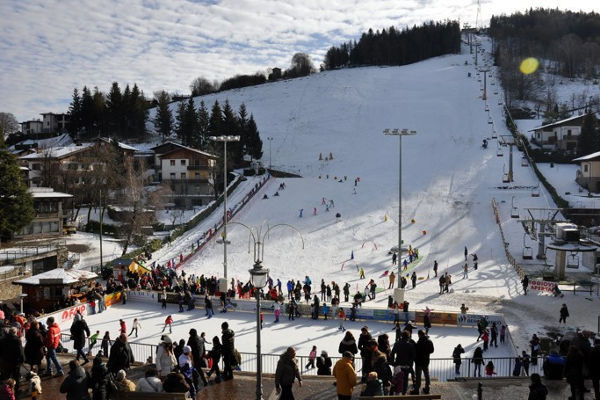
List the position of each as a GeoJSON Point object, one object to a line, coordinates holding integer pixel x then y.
{"type": "Point", "coordinates": [243, 387]}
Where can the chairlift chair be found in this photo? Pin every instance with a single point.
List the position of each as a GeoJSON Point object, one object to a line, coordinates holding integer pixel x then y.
{"type": "Point", "coordinates": [535, 192]}
{"type": "Point", "coordinates": [527, 253]}
{"type": "Point", "coordinates": [573, 260]}
{"type": "Point", "coordinates": [505, 178]}
{"type": "Point", "coordinates": [494, 135]}
{"type": "Point", "coordinates": [524, 162]}
{"type": "Point", "coordinates": [514, 212]}
{"type": "Point", "coordinates": [499, 152]}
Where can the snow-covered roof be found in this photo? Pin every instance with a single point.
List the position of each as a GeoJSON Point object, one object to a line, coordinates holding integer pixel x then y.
{"type": "Point", "coordinates": [62, 141]}
{"type": "Point", "coordinates": [561, 122]}
{"type": "Point", "coordinates": [57, 152]}
{"type": "Point", "coordinates": [588, 157]}
{"type": "Point", "coordinates": [58, 274]}
{"type": "Point", "coordinates": [120, 144]}
{"type": "Point", "coordinates": [180, 146]}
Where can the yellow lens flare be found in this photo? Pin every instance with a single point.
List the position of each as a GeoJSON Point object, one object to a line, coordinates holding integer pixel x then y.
{"type": "Point", "coordinates": [529, 65]}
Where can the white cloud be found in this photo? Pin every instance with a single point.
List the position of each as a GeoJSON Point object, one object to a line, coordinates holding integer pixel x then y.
{"type": "Point", "coordinates": [48, 47]}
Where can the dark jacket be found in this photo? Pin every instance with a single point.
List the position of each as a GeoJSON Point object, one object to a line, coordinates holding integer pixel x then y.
{"type": "Point", "coordinates": [79, 331]}
{"type": "Point", "coordinates": [287, 371]}
{"type": "Point", "coordinates": [537, 391]}
{"type": "Point", "coordinates": [594, 362]}
{"type": "Point", "coordinates": [373, 388]}
{"type": "Point", "coordinates": [121, 357]}
{"type": "Point", "coordinates": [363, 339]}
{"type": "Point", "coordinates": [477, 356]}
{"type": "Point", "coordinates": [34, 346]}
{"type": "Point", "coordinates": [574, 366]}
{"type": "Point", "coordinates": [197, 345]}
{"type": "Point", "coordinates": [424, 350]}
{"type": "Point", "coordinates": [99, 380]}
{"type": "Point", "coordinates": [175, 383]}
{"type": "Point", "coordinates": [404, 352]}
{"type": "Point", "coordinates": [227, 342]}
{"type": "Point", "coordinates": [379, 364]}
{"type": "Point", "coordinates": [456, 354]}
{"type": "Point", "coordinates": [324, 365]}
{"type": "Point", "coordinates": [348, 345]}
{"type": "Point", "coordinates": [76, 385]}
{"type": "Point", "coordinates": [11, 350]}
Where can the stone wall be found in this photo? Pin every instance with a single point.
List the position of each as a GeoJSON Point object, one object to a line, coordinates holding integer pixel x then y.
{"type": "Point", "coordinates": [8, 291]}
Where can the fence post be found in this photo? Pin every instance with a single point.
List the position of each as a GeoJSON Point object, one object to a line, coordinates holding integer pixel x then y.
{"type": "Point", "coordinates": [469, 367]}
{"type": "Point", "coordinates": [479, 391]}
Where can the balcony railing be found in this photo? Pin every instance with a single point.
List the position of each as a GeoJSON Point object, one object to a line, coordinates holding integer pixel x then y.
{"type": "Point", "coordinates": [197, 167]}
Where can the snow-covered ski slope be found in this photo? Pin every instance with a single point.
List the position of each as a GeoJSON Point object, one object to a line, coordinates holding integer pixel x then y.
{"type": "Point", "coordinates": [448, 184]}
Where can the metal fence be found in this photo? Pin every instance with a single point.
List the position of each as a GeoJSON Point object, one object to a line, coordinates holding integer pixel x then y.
{"type": "Point", "coordinates": [442, 369]}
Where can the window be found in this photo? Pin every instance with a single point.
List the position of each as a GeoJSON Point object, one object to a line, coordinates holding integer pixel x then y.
{"type": "Point", "coordinates": [183, 175]}
{"type": "Point", "coordinates": [172, 175]}
{"type": "Point", "coordinates": [568, 133]}
{"type": "Point", "coordinates": [36, 166]}
{"type": "Point", "coordinates": [182, 162]}
{"type": "Point", "coordinates": [172, 163]}
{"type": "Point", "coordinates": [585, 168]}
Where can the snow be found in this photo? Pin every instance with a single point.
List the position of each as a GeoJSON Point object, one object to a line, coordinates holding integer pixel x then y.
{"type": "Point", "coordinates": [111, 248]}
{"type": "Point", "coordinates": [562, 177]}
{"type": "Point", "coordinates": [56, 152]}
{"type": "Point", "coordinates": [448, 183]}
{"type": "Point", "coordinates": [67, 276]}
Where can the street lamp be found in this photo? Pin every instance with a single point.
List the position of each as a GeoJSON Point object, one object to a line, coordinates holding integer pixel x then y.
{"type": "Point", "coordinates": [399, 133]}
{"type": "Point", "coordinates": [270, 139]}
{"type": "Point", "coordinates": [225, 139]}
{"type": "Point", "coordinates": [22, 296]}
{"type": "Point", "coordinates": [259, 277]}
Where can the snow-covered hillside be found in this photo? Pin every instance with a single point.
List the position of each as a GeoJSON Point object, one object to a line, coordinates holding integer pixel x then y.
{"type": "Point", "coordinates": [448, 184]}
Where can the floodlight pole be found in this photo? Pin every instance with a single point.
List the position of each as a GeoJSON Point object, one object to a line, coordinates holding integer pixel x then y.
{"type": "Point", "coordinates": [225, 139]}
{"type": "Point", "coordinates": [399, 133]}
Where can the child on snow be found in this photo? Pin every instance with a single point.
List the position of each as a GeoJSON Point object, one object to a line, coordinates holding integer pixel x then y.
{"type": "Point", "coordinates": [93, 340]}
{"type": "Point", "coordinates": [342, 319]}
{"type": "Point", "coordinates": [311, 358]}
{"type": "Point", "coordinates": [122, 327]}
{"type": "Point", "coordinates": [489, 369]}
{"type": "Point", "coordinates": [168, 322]}
{"type": "Point", "coordinates": [486, 339]}
{"type": "Point", "coordinates": [277, 311]}
{"type": "Point", "coordinates": [502, 333]}
{"type": "Point", "coordinates": [325, 310]}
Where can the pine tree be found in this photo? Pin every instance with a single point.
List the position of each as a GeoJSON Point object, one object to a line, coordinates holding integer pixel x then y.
{"type": "Point", "coordinates": [100, 124]}
{"type": "Point", "coordinates": [589, 140]}
{"type": "Point", "coordinates": [191, 133]}
{"type": "Point", "coordinates": [114, 108]}
{"type": "Point", "coordinates": [254, 142]}
{"type": "Point", "coordinates": [243, 127]}
{"type": "Point", "coordinates": [230, 127]}
{"type": "Point", "coordinates": [16, 203]}
{"type": "Point", "coordinates": [180, 128]}
{"type": "Point", "coordinates": [215, 124]}
{"type": "Point", "coordinates": [203, 126]}
{"type": "Point", "coordinates": [87, 111]}
{"type": "Point", "coordinates": [75, 124]}
{"type": "Point", "coordinates": [139, 111]}
{"type": "Point", "coordinates": [164, 118]}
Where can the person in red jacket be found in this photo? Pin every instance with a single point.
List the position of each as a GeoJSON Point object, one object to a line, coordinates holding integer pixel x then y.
{"type": "Point", "coordinates": [168, 322]}
{"type": "Point", "coordinates": [51, 342]}
{"type": "Point", "coordinates": [122, 326]}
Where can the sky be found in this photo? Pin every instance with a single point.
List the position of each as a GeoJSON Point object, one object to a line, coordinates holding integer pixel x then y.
{"type": "Point", "coordinates": [49, 47]}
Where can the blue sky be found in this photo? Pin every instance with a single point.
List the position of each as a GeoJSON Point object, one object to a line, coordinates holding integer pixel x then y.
{"type": "Point", "coordinates": [49, 47]}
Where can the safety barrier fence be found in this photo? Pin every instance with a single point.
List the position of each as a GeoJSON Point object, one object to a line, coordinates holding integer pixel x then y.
{"type": "Point", "coordinates": [442, 369]}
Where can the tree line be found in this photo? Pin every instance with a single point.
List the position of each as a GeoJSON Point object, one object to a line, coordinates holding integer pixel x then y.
{"type": "Point", "coordinates": [569, 42]}
{"type": "Point", "coordinates": [193, 126]}
{"type": "Point", "coordinates": [122, 114]}
{"type": "Point", "coordinates": [397, 47]}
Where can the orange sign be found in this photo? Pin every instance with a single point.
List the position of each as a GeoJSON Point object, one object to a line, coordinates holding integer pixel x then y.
{"type": "Point", "coordinates": [441, 318]}
{"type": "Point", "coordinates": [112, 298]}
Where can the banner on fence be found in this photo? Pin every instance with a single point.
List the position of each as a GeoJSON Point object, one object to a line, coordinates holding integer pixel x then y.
{"type": "Point", "coordinates": [542, 286]}
{"type": "Point", "coordinates": [66, 315]}
{"type": "Point", "coordinates": [442, 318]}
{"type": "Point", "coordinates": [143, 295]}
{"type": "Point", "coordinates": [471, 319]}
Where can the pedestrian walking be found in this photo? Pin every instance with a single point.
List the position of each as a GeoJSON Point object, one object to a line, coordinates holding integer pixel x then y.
{"type": "Point", "coordinates": [534, 343]}
{"type": "Point", "coordinates": [208, 307]}
{"type": "Point", "coordinates": [466, 271]}
{"type": "Point", "coordinates": [79, 332]}
{"type": "Point", "coordinates": [51, 342]}
{"type": "Point", "coordinates": [122, 327]}
{"type": "Point", "coordinates": [564, 313]}
{"type": "Point", "coordinates": [324, 364]}
{"type": "Point", "coordinates": [77, 383]}
{"type": "Point", "coordinates": [134, 327]}
{"type": "Point", "coordinates": [286, 373]}
{"type": "Point", "coordinates": [121, 356]}
{"type": "Point", "coordinates": [392, 280]}
{"type": "Point", "coordinates": [165, 357]}
{"type": "Point", "coordinates": [277, 310]}
{"type": "Point", "coordinates": [466, 253]}
{"type": "Point", "coordinates": [424, 349]}
{"type": "Point", "coordinates": [215, 357]}
{"type": "Point", "coordinates": [34, 347]}
{"type": "Point", "coordinates": [435, 267]}
{"type": "Point", "coordinates": [525, 361]}
{"type": "Point", "coordinates": [494, 333]}
{"type": "Point", "coordinates": [525, 283]}
{"type": "Point", "coordinates": [228, 344]}
{"type": "Point", "coordinates": [537, 391]}
{"type": "Point", "coordinates": [502, 333]}
{"type": "Point", "coordinates": [413, 278]}
{"type": "Point", "coordinates": [394, 258]}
